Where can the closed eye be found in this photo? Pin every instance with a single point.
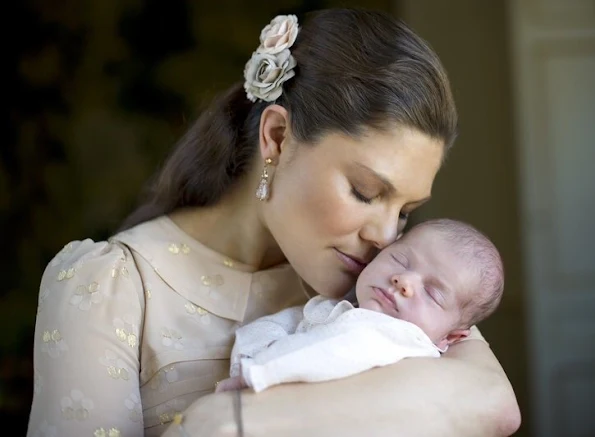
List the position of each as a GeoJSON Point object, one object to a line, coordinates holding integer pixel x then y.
{"type": "Point", "coordinates": [436, 296]}
{"type": "Point", "coordinates": [400, 259]}
{"type": "Point", "coordinates": [359, 196]}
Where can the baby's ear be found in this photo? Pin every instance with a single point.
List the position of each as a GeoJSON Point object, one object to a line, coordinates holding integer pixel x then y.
{"type": "Point", "coordinates": [453, 337]}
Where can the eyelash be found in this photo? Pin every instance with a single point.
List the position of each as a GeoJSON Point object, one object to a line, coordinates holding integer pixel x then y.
{"type": "Point", "coordinates": [359, 196]}
{"type": "Point", "coordinates": [404, 262]}
{"type": "Point", "coordinates": [432, 296]}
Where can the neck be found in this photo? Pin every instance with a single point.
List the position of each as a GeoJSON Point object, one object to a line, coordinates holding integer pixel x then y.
{"type": "Point", "coordinates": [234, 228]}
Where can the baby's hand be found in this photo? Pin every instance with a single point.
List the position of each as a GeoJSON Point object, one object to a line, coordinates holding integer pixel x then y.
{"type": "Point", "coordinates": [229, 384]}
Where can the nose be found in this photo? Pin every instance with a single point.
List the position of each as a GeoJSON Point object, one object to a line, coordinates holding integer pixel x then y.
{"type": "Point", "coordinates": [383, 229]}
{"type": "Point", "coordinates": [404, 284]}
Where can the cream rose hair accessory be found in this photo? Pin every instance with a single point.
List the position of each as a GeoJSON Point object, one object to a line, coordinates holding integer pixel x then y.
{"type": "Point", "coordinates": [272, 64]}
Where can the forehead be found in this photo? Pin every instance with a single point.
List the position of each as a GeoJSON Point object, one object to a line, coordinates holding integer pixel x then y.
{"type": "Point", "coordinates": [438, 256]}
{"type": "Point", "coordinates": [407, 158]}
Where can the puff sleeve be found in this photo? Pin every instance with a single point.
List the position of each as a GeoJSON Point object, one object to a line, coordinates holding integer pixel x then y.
{"type": "Point", "coordinates": [87, 342]}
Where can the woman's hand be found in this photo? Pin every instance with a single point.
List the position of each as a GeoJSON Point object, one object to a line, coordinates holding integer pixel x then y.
{"type": "Point", "coordinates": [230, 384]}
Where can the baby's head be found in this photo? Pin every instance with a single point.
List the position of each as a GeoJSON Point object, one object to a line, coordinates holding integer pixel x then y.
{"type": "Point", "coordinates": [443, 275]}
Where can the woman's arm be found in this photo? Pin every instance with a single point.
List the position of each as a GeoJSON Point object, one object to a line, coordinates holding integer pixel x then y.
{"type": "Point", "coordinates": [464, 393]}
{"type": "Point", "coordinates": [86, 351]}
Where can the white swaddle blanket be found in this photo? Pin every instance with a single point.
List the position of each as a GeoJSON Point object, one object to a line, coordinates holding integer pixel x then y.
{"type": "Point", "coordinates": [323, 340]}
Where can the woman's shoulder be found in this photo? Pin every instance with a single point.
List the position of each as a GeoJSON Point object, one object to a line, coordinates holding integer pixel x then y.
{"type": "Point", "coordinates": [78, 255]}
{"type": "Point", "coordinates": [87, 269]}
{"type": "Point", "coordinates": [112, 256]}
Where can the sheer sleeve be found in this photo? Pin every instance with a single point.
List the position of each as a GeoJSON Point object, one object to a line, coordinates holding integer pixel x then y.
{"type": "Point", "coordinates": [86, 346]}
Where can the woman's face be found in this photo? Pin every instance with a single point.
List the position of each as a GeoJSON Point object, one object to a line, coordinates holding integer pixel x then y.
{"type": "Point", "coordinates": [335, 204]}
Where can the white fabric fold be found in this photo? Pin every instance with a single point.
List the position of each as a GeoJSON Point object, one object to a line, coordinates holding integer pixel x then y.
{"type": "Point", "coordinates": [321, 341]}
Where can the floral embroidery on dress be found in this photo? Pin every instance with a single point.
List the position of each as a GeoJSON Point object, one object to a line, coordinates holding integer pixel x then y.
{"type": "Point", "coordinates": [53, 343]}
{"type": "Point", "coordinates": [179, 248]}
{"type": "Point", "coordinates": [213, 282]}
{"type": "Point", "coordinates": [76, 406]}
{"type": "Point", "coordinates": [167, 411]}
{"type": "Point", "coordinates": [119, 272]}
{"type": "Point", "coordinates": [65, 274]}
{"type": "Point", "coordinates": [115, 366]}
{"type": "Point", "coordinates": [86, 295]}
{"type": "Point", "coordinates": [111, 432]}
{"type": "Point", "coordinates": [198, 314]}
{"type": "Point", "coordinates": [172, 338]}
{"type": "Point", "coordinates": [61, 256]}
{"type": "Point", "coordinates": [148, 290]}
{"type": "Point", "coordinates": [164, 377]}
{"type": "Point", "coordinates": [46, 430]}
{"type": "Point", "coordinates": [125, 330]}
{"type": "Point", "coordinates": [133, 405]}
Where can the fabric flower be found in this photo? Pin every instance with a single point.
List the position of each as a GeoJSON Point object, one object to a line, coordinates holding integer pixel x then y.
{"type": "Point", "coordinates": [279, 35]}
{"type": "Point", "coordinates": [265, 74]}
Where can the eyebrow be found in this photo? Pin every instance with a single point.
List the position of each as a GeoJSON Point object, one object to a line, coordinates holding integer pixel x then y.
{"type": "Point", "coordinates": [388, 183]}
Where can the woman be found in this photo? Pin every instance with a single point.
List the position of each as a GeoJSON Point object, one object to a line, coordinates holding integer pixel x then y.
{"type": "Point", "coordinates": [339, 129]}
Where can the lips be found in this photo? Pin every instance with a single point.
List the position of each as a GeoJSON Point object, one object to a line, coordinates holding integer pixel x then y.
{"type": "Point", "coordinates": [386, 299]}
{"type": "Point", "coordinates": [353, 264]}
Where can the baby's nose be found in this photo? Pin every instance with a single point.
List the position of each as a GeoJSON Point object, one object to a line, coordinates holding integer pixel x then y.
{"type": "Point", "coordinates": [402, 285]}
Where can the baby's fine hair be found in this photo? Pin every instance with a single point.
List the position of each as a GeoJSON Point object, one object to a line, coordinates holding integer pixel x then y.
{"type": "Point", "coordinates": [480, 254]}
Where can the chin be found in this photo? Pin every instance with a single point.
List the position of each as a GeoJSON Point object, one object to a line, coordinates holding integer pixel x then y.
{"type": "Point", "coordinates": [336, 290]}
{"type": "Point", "coordinates": [333, 294]}
{"type": "Point", "coordinates": [331, 283]}
{"type": "Point", "coordinates": [371, 305]}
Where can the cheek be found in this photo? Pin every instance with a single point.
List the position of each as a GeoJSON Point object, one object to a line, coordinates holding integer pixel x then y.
{"type": "Point", "coordinates": [417, 312]}
{"type": "Point", "coordinates": [320, 203]}
{"type": "Point", "coordinates": [378, 273]}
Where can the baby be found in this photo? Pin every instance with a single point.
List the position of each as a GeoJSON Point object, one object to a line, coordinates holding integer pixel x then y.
{"type": "Point", "coordinates": [417, 297]}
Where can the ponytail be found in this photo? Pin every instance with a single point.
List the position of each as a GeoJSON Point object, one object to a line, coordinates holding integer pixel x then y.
{"type": "Point", "coordinates": [213, 153]}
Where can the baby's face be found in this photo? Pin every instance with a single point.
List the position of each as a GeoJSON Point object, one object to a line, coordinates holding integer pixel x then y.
{"type": "Point", "coordinates": [420, 280]}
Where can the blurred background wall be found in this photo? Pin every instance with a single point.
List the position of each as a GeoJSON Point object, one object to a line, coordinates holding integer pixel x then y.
{"type": "Point", "coordinates": [479, 182]}
{"type": "Point", "coordinates": [99, 91]}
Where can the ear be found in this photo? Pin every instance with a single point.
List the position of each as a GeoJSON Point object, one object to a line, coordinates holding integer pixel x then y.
{"type": "Point", "coordinates": [274, 129]}
{"type": "Point", "coordinates": [453, 337]}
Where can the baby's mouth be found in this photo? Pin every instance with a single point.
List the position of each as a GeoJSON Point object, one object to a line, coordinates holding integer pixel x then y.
{"type": "Point", "coordinates": [388, 297]}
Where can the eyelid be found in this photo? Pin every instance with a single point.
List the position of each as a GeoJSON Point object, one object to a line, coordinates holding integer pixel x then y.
{"type": "Point", "coordinates": [400, 259]}
{"type": "Point", "coordinates": [435, 295]}
{"type": "Point", "coordinates": [366, 189]}
{"type": "Point", "coordinates": [359, 196]}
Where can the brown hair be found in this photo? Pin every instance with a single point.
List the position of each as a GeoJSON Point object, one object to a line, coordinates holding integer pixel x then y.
{"type": "Point", "coordinates": [355, 69]}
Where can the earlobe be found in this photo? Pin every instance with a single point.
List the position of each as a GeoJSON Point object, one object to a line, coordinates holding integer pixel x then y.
{"type": "Point", "coordinates": [456, 335]}
{"type": "Point", "coordinates": [274, 123]}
